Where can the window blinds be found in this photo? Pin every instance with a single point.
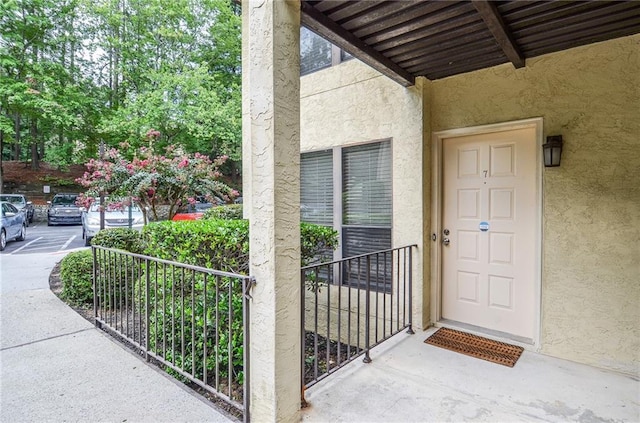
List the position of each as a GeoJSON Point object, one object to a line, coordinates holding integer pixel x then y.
{"type": "Point", "coordinates": [366, 185]}
{"type": "Point", "coordinates": [316, 188]}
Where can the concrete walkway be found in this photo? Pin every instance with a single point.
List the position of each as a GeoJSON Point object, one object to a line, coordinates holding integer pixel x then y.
{"type": "Point", "coordinates": [410, 381]}
{"type": "Point", "coordinates": [55, 366]}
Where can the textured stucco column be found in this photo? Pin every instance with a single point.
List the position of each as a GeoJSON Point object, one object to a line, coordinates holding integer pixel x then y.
{"type": "Point", "coordinates": [271, 109]}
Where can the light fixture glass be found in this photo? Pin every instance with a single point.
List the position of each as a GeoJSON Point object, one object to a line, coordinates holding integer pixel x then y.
{"type": "Point", "coordinates": [552, 150]}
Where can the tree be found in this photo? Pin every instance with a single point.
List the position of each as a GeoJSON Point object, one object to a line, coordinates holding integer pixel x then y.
{"type": "Point", "coordinates": [174, 66]}
{"type": "Point", "coordinates": [45, 92]}
{"type": "Point", "coordinates": [150, 180]}
{"type": "Point", "coordinates": [74, 73]}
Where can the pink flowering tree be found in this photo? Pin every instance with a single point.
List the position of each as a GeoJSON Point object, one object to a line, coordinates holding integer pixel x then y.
{"type": "Point", "coordinates": [150, 180]}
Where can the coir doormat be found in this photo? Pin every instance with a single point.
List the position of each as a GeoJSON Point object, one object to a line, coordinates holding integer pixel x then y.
{"type": "Point", "coordinates": [476, 346]}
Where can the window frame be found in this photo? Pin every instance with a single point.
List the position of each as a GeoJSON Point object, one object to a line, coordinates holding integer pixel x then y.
{"type": "Point", "coordinates": [337, 54]}
{"type": "Point", "coordinates": [338, 203]}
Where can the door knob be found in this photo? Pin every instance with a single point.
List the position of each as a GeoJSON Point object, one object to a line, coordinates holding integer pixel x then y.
{"type": "Point", "coordinates": [445, 241]}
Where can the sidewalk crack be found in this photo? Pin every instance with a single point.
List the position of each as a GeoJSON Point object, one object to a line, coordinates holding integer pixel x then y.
{"type": "Point", "coordinates": [45, 339]}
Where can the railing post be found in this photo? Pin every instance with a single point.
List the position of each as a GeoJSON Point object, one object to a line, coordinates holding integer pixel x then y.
{"type": "Point", "coordinates": [303, 401]}
{"type": "Point", "coordinates": [95, 286]}
{"type": "Point", "coordinates": [247, 283]}
{"type": "Point", "coordinates": [146, 309]}
{"type": "Point", "coordinates": [367, 312]}
{"type": "Point", "coordinates": [410, 329]}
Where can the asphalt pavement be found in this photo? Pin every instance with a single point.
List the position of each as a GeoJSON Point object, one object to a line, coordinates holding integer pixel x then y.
{"type": "Point", "coordinates": [57, 367]}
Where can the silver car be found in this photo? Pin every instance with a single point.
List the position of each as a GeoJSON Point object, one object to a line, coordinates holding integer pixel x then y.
{"type": "Point", "coordinates": [14, 224]}
{"type": "Point", "coordinates": [63, 210]}
{"type": "Point", "coordinates": [21, 203]}
{"type": "Point", "coordinates": [113, 218]}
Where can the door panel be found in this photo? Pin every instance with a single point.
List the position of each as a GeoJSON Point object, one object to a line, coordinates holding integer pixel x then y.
{"type": "Point", "coordinates": [489, 211]}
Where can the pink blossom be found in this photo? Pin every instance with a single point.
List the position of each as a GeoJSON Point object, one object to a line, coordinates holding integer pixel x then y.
{"type": "Point", "coordinates": [152, 133]}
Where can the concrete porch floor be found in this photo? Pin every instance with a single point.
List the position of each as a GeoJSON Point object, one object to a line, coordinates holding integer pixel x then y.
{"type": "Point", "coordinates": [410, 381]}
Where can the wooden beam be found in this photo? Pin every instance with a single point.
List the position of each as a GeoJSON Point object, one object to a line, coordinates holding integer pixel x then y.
{"type": "Point", "coordinates": [334, 33]}
{"type": "Point", "coordinates": [491, 17]}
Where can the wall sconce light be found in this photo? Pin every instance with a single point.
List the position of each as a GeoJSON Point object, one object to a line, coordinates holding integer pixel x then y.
{"type": "Point", "coordinates": [552, 150]}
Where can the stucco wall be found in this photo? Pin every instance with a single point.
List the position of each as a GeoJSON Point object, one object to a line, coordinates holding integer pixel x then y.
{"type": "Point", "coordinates": [351, 103]}
{"type": "Point", "coordinates": [591, 203]}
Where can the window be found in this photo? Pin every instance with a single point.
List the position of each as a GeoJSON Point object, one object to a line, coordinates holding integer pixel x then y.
{"type": "Point", "coordinates": [367, 208]}
{"type": "Point", "coordinates": [316, 188]}
{"type": "Point", "coordinates": [317, 53]}
{"type": "Point", "coordinates": [365, 200]}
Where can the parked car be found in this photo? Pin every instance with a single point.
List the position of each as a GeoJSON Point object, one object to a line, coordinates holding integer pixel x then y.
{"type": "Point", "coordinates": [20, 202]}
{"type": "Point", "coordinates": [63, 210]}
{"type": "Point", "coordinates": [14, 224]}
{"type": "Point", "coordinates": [188, 216]}
{"type": "Point", "coordinates": [202, 204]}
{"type": "Point", "coordinates": [113, 218]}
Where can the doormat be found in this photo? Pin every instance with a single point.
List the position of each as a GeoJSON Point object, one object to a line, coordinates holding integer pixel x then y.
{"type": "Point", "coordinates": [476, 346]}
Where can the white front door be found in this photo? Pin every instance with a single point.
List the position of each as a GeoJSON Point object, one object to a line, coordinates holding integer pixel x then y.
{"type": "Point", "coordinates": [489, 231]}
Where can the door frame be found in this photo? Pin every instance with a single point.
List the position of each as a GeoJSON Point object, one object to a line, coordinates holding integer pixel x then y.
{"type": "Point", "coordinates": [437, 181]}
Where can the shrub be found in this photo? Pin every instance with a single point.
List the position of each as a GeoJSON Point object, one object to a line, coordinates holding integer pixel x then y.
{"type": "Point", "coordinates": [177, 322]}
{"type": "Point", "coordinates": [177, 296]}
{"type": "Point", "coordinates": [76, 273]}
{"type": "Point", "coordinates": [316, 243]}
{"type": "Point", "coordinates": [120, 238]}
{"type": "Point", "coordinates": [216, 244]}
{"type": "Point", "coordinates": [224, 244]}
{"type": "Point", "coordinates": [230, 211]}
{"type": "Point", "coordinates": [120, 270]}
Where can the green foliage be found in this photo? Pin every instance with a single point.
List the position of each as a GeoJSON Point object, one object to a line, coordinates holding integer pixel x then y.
{"type": "Point", "coordinates": [190, 315]}
{"type": "Point", "coordinates": [182, 311]}
{"type": "Point", "coordinates": [60, 182]}
{"type": "Point", "coordinates": [76, 273]}
{"type": "Point", "coordinates": [221, 244]}
{"type": "Point", "coordinates": [122, 271]}
{"type": "Point", "coordinates": [120, 238]}
{"type": "Point", "coordinates": [227, 212]}
{"type": "Point", "coordinates": [153, 179]}
{"type": "Point", "coordinates": [46, 92]}
{"type": "Point", "coordinates": [215, 244]}
{"type": "Point", "coordinates": [74, 73]}
{"type": "Point", "coordinates": [317, 243]}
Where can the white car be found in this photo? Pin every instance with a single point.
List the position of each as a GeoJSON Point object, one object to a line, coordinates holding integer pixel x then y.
{"type": "Point", "coordinates": [113, 218]}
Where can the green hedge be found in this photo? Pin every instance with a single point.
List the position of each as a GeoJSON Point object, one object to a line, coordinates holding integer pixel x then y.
{"type": "Point", "coordinates": [218, 243]}
{"type": "Point", "coordinates": [76, 274]}
{"type": "Point", "coordinates": [230, 211]}
{"type": "Point", "coordinates": [120, 238]}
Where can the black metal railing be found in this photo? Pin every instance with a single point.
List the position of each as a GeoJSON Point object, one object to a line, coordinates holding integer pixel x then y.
{"type": "Point", "coordinates": [191, 320]}
{"type": "Point", "coordinates": [351, 305]}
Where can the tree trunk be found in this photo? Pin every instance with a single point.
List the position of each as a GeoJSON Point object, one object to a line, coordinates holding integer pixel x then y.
{"type": "Point", "coordinates": [33, 131]}
{"type": "Point", "coordinates": [1, 149]}
{"type": "Point", "coordinates": [16, 126]}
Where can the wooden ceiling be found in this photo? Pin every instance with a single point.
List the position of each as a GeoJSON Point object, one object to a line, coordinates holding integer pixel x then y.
{"type": "Point", "coordinates": [405, 39]}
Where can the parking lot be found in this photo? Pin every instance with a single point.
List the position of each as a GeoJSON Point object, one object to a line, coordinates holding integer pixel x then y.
{"type": "Point", "coordinates": [47, 239]}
